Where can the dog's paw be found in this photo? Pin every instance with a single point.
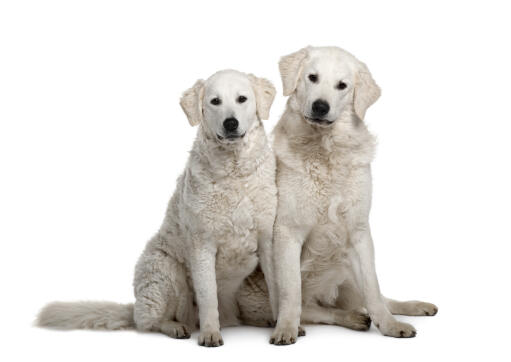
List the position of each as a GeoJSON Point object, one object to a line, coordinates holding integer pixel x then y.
{"type": "Point", "coordinates": [175, 330]}
{"type": "Point", "coordinates": [413, 308]}
{"type": "Point", "coordinates": [210, 339]}
{"type": "Point", "coordinates": [425, 309]}
{"type": "Point", "coordinates": [301, 331]}
{"type": "Point", "coordinates": [397, 329]}
{"type": "Point", "coordinates": [357, 320]}
{"type": "Point", "coordinates": [284, 335]}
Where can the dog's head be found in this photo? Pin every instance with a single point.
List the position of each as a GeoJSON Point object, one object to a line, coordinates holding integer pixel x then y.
{"type": "Point", "coordinates": [228, 103]}
{"type": "Point", "coordinates": [323, 82]}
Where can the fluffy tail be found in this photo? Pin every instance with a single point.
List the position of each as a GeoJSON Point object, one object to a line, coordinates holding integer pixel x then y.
{"type": "Point", "coordinates": [86, 315]}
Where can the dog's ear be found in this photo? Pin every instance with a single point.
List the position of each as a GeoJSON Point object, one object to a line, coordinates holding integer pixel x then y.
{"type": "Point", "coordinates": [366, 91]}
{"type": "Point", "coordinates": [191, 102]}
{"type": "Point", "coordinates": [290, 67]}
{"type": "Point", "coordinates": [265, 93]}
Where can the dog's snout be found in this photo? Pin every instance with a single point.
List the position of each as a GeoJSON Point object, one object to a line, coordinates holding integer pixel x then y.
{"type": "Point", "coordinates": [231, 124]}
{"type": "Point", "coordinates": [320, 108]}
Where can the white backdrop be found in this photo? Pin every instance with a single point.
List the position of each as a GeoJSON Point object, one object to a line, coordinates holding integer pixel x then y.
{"type": "Point", "coordinates": [92, 139]}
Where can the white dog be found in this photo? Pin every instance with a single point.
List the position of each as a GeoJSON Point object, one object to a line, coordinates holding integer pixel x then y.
{"type": "Point", "coordinates": [219, 218]}
{"type": "Point", "coordinates": [323, 250]}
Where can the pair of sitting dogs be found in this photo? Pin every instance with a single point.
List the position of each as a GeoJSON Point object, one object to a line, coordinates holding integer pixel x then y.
{"type": "Point", "coordinates": [299, 209]}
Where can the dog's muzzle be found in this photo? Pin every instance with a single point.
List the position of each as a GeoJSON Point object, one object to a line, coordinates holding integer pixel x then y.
{"type": "Point", "coordinates": [230, 136]}
{"type": "Point", "coordinates": [318, 121]}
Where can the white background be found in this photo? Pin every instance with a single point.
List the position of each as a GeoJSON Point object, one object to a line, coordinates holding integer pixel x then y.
{"type": "Point", "coordinates": [92, 139]}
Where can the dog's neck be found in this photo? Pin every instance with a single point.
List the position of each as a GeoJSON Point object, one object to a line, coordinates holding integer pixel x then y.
{"type": "Point", "coordinates": [237, 160]}
{"type": "Point", "coordinates": [348, 138]}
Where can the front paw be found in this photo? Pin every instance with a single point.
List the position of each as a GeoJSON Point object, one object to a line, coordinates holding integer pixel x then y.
{"type": "Point", "coordinates": [210, 339]}
{"type": "Point", "coordinates": [397, 329]}
{"type": "Point", "coordinates": [284, 335]}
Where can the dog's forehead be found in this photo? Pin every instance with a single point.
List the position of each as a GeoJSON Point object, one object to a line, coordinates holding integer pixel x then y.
{"type": "Point", "coordinates": [330, 61]}
{"type": "Point", "coordinates": [227, 82]}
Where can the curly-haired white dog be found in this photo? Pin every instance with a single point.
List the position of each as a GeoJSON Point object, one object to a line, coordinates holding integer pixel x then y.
{"type": "Point", "coordinates": [323, 249]}
{"type": "Point", "coordinates": [218, 221]}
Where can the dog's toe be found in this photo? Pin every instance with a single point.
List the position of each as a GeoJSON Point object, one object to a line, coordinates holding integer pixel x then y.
{"type": "Point", "coordinates": [175, 329]}
{"type": "Point", "coordinates": [284, 336]}
{"type": "Point", "coordinates": [398, 329]}
{"type": "Point", "coordinates": [210, 339]}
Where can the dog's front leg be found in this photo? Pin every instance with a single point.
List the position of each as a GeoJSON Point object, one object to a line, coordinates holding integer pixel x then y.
{"type": "Point", "coordinates": [202, 264]}
{"type": "Point", "coordinates": [365, 272]}
{"type": "Point", "coordinates": [287, 251]}
{"type": "Point", "coordinates": [267, 266]}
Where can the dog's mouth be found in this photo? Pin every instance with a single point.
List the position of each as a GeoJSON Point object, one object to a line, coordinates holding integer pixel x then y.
{"type": "Point", "coordinates": [230, 137]}
{"type": "Point", "coordinates": [318, 121]}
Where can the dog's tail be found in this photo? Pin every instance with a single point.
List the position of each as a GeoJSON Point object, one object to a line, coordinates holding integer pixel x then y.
{"type": "Point", "coordinates": [86, 315]}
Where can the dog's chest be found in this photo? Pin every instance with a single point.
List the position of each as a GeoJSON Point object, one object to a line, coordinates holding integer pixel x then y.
{"type": "Point", "coordinates": [235, 226]}
{"type": "Point", "coordinates": [229, 206]}
{"type": "Point", "coordinates": [330, 184]}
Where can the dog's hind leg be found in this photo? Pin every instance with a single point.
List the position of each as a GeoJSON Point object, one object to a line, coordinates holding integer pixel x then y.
{"type": "Point", "coordinates": [349, 296]}
{"type": "Point", "coordinates": [227, 305]}
{"type": "Point", "coordinates": [229, 281]}
{"type": "Point", "coordinates": [164, 301]}
{"type": "Point", "coordinates": [174, 329]}
{"type": "Point", "coordinates": [411, 308]}
{"type": "Point", "coordinates": [353, 319]}
{"type": "Point", "coordinates": [253, 301]}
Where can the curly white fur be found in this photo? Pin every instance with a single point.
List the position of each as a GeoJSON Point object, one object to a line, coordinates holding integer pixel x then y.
{"type": "Point", "coordinates": [219, 220]}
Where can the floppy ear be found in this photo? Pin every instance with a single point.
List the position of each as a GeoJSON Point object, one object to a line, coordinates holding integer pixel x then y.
{"type": "Point", "coordinates": [290, 67]}
{"type": "Point", "coordinates": [366, 91]}
{"type": "Point", "coordinates": [191, 102]}
{"type": "Point", "coordinates": [264, 93]}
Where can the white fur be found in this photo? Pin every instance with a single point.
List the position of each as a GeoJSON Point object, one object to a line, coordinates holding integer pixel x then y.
{"type": "Point", "coordinates": [323, 250]}
{"type": "Point", "coordinates": [219, 220]}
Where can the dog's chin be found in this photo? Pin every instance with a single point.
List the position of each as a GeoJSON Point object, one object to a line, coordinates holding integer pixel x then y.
{"type": "Point", "coordinates": [232, 139]}
{"type": "Point", "coordinates": [319, 122]}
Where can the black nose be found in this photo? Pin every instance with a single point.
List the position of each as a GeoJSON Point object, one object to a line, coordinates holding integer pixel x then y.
{"type": "Point", "coordinates": [231, 124]}
{"type": "Point", "coordinates": [320, 108]}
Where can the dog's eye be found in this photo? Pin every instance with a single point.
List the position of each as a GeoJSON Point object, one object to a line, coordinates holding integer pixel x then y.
{"type": "Point", "coordinates": [313, 78]}
{"type": "Point", "coordinates": [216, 101]}
{"type": "Point", "coordinates": [341, 85]}
{"type": "Point", "coordinates": [242, 99]}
